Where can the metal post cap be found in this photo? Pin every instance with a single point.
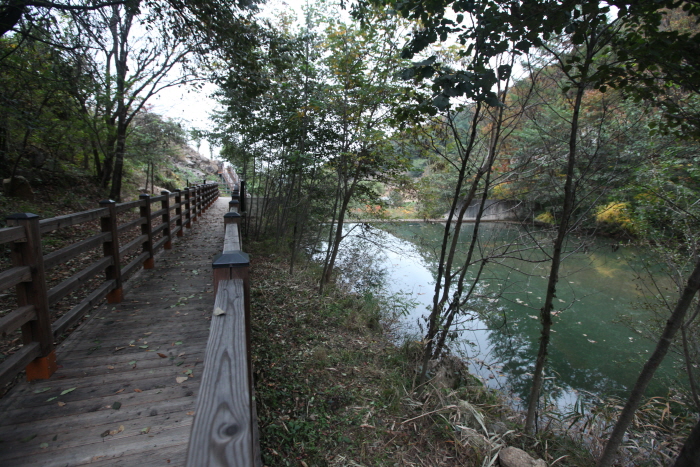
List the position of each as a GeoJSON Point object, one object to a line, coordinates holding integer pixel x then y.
{"type": "Point", "coordinates": [22, 216]}
{"type": "Point", "coordinates": [231, 259]}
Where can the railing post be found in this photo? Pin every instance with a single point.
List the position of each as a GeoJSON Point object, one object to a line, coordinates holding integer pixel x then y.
{"type": "Point", "coordinates": [178, 212]}
{"type": "Point", "coordinates": [34, 293]}
{"type": "Point", "coordinates": [165, 204]}
{"type": "Point", "coordinates": [232, 218]}
{"type": "Point", "coordinates": [195, 203]}
{"type": "Point", "coordinates": [234, 206]}
{"type": "Point", "coordinates": [111, 248]}
{"type": "Point", "coordinates": [147, 229]}
{"type": "Point", "coordinates": [188, 208]}
{"type": "Point", "coordinates": [242, 196]}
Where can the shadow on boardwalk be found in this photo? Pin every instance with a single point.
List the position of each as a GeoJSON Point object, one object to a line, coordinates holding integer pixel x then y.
{"type": "Point", "coordinates": [125, 390]}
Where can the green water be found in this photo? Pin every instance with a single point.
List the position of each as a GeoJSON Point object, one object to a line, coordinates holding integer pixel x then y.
{"type": "Point", "coordinates": [592, 350]}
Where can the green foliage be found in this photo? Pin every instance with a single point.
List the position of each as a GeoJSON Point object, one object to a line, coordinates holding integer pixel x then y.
{"type": "Point", "coordinates": [615, 217]}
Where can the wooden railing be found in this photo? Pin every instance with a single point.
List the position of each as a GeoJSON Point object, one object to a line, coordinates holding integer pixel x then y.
{"type": "Point", "coordinates": [135, 240]}
{"type": "Point", "coordinates": [224, 431]}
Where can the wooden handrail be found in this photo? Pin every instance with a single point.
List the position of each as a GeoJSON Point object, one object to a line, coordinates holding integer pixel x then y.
{"type": "Point", "coordinates": [221, 433]}
{"type": "Point", "coordinates": [28, 276]}
{"type": "Point", "coordinates": [12, 234]}
{"type": "Point", "coordinates": [55, 223]}
{"type": "Point", "coordinates": [57, 257]}
{"type": "Point", "coordinates": [225, 427]}
{"type": "Point", "coordinates": [14, 276]}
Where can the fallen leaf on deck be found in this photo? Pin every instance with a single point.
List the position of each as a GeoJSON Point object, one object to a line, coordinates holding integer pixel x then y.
{"type": "Point", "coordinates": [178, 343]}
{"type": "Point", "coordinates": [162, 355]}
{"type": "Point", "coordinates": [43, 445]}
{"type": "Point", "coordinates": [61, 404]}
{"type": "Point", "coordinates": [181, 354]}
{"type": "Point", "coordinates": [133, 362]}
{"type": "Point", "coordinates": [191, 412]}
{"type": "Point", "coordinates": [50, 399]}
{"type": "Point", "coordinates": [110, 367]}
{"type": "Point", "coordinates": [121, 428]}
{"type": "Point", "coordinates": [218, 311]}
{"type": "Point", "coordinates": [121, 390]}
{"type": "Point", "coordinates": [67, 391]}
{"type": "Point", "coordinates": [181, 379]}
{"type": "Point", "coordinates": [28, 438]}
{"type": "Point", "coordinates": [145, 430]}
{"type": "Point", "coordinates": [116, 349]}
{"type": "Point", "coordinates": [143, 346]}
{"type": "Point", "coordinates": [39, 391]}
{"type": "Point", "coordinates": [105, 433]}
{"type": "Point", "coordinates": [137, 390]}
{"type": "Point", "coordinates": [148, 333]}
{"type": "Point", "coordinates": [116, 405]}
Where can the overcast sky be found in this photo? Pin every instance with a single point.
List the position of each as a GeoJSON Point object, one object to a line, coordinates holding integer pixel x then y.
{"type": "Point", "coordinates": [192, 107]}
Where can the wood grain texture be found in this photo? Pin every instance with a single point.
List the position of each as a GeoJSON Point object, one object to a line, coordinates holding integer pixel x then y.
{"type": "Point", "coordinates": [121, 207]}
{"type": "Point", "coordinates": [221, 433]}
{"type": "Point", "coordinates": [16, 318]}
{"type": "Point", "coordinates": [159, 212]}
{"type": "Point", "coordinates": [14, 276]}
{"type": "Point", "coordinates": [129, 247]}
{"type": "Point", "coordinates": [159, 228]}
{"type": "Point", "coordinates": [33, 292]}
{"type": "Point", "coordinates": [232, 240]}
{"type": "Point", "coordinates": [58, 257]}
{"type": "Point", "coordinates": [54, 223]}
{"type": "Point", "coordinates": [18, 360]}
{"type": "Point", "coordinates": [12, 234]}
{"type": "Point", "coordinates": [79, 310]}
{"type": "Point", "coordinates": [78, 279]}
{"type": "Point", "coordinates": [134, 265]}
{"type": "Point", "coordinates": [131, 224]}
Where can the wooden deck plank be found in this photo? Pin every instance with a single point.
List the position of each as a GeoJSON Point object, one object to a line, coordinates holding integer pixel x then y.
{"type": "Point", "coordinates": [36, 430]}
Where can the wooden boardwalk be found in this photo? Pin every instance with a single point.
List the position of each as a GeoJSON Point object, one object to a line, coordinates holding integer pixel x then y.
{"type": "Point", "coordinates": [125, 390]}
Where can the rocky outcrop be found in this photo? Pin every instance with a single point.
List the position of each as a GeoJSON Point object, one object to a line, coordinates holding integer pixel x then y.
{"type": "Point", "coordinates": [514, 457]}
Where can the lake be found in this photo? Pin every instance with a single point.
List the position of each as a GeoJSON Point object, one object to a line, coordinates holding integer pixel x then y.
{"type": "Point", "coordinates": [601, 286]}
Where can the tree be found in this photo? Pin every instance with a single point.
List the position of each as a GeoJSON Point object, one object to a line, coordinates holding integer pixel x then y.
{"type": "Point", "coordinates": [362, 87]}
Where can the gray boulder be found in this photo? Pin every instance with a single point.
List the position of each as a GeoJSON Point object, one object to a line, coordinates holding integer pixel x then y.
{"type": "Point", "coordinates": [514, 457]}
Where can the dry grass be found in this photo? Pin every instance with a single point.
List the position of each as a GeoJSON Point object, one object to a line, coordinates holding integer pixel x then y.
{"type": "Point", "coordinates": [332, 390]}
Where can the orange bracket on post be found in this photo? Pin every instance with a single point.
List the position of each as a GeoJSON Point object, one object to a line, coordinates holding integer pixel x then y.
{"type": "Point", "coordinates": [42, 367]}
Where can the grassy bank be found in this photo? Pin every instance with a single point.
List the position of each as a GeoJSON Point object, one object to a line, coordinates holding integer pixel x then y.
{"type": "Point", "coordinates": [333, 390]}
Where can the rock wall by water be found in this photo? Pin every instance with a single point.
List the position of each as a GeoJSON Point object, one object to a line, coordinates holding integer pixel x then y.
{"type": "Point", "coordinates": [499, 210]}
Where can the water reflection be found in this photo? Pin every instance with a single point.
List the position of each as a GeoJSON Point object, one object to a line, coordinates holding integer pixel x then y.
{"type": "Point", "coordinates": [590, 351]}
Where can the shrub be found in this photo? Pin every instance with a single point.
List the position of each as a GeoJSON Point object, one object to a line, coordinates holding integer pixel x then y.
{"type": "Point", "coordinates": [615, 217]}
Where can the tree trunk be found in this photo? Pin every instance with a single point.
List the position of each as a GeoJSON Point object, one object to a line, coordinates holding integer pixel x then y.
{"type": "Point", "coordinates": [10, 15]}
{"type": "Point", "coordinates": [546, 310]}
{"type": "Point", "coordinates": [672, 325]}
{"type": "Point", "coordinates": [115, 190]}
{"type": "Point", "coordinates": [690, 454]}
{"type": "Point", "coordinates": [328, 271]}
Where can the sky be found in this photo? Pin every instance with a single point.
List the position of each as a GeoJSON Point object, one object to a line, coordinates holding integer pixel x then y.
{"type": "Point", "coordinates": [193, 107]}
